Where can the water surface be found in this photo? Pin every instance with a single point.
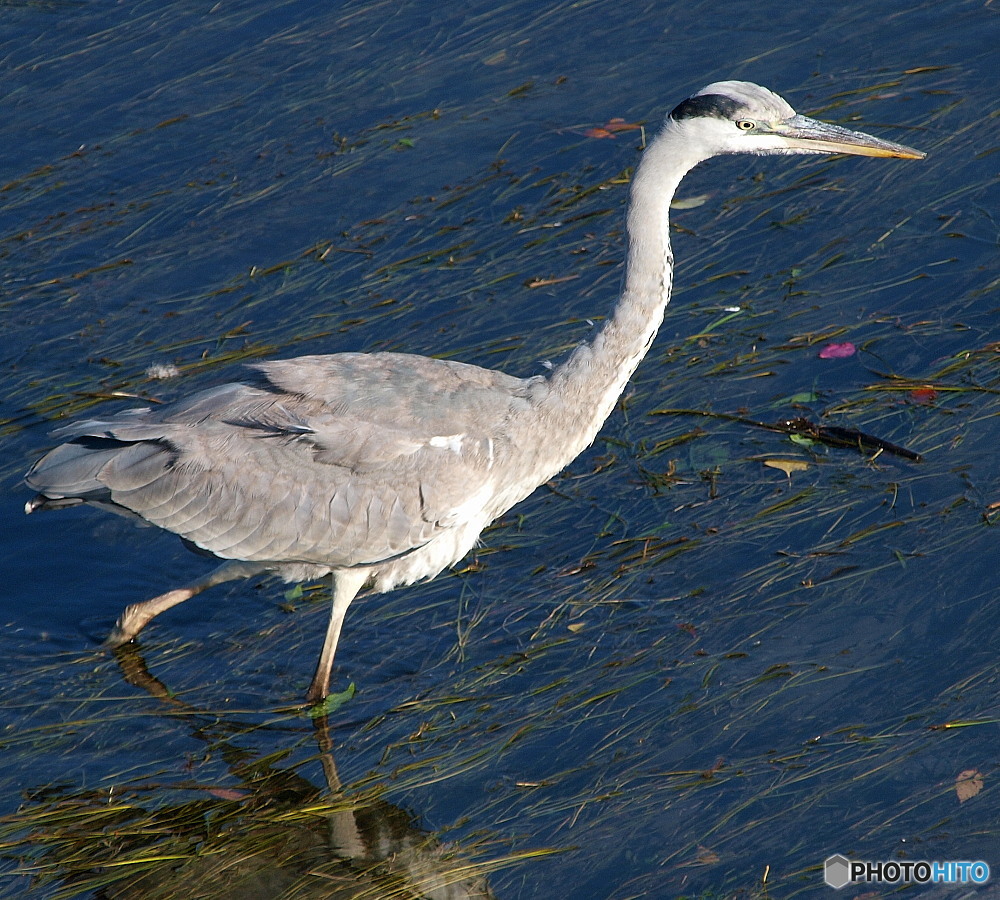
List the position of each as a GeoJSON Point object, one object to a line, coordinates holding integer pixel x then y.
{"type": "Point", "coordinates": [675, 671]}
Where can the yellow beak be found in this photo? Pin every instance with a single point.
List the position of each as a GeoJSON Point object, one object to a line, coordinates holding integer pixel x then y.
{"type": "Point", "coordinates": [803, 133]}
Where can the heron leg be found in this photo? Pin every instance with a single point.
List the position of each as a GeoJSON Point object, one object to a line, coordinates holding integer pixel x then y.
{"type": "Point", "coordinates": [135, 617]}
{"type": "Point", "coordinates": [346, 584]}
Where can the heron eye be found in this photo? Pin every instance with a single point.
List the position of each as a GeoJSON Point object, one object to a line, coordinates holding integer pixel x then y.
{"type": "Point", "coordinates": [745, 125]}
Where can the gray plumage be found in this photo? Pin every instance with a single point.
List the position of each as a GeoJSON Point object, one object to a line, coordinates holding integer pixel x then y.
{"type": "Point", "coordinates": [235, 469]}
{"type": "Point", "coordinates": [384, 468]}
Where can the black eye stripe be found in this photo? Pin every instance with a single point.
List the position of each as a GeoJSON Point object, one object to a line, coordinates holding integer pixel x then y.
{"type": "Point", "coordinates": [717, 105]}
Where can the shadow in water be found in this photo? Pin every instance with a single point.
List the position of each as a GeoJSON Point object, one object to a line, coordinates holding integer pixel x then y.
{"type": "Point", "coordinates": [268, 833]}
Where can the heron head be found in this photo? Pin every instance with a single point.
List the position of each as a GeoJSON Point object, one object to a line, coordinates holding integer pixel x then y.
{"type": "Point", "coordinates": [741, 117]}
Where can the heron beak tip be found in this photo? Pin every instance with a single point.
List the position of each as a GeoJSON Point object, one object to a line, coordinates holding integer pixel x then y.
{"type": "Point", "coordinates": [803, 133]}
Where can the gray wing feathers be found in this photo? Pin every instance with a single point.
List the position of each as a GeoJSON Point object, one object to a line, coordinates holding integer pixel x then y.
{"type": "Point", "coordinates": [338, 461]}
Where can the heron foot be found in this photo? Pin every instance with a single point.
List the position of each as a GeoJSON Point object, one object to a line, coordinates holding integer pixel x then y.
{"type": "Point", "coordinates": [137, 616]}
{"type": "Point", "coordinates": [117, 638]}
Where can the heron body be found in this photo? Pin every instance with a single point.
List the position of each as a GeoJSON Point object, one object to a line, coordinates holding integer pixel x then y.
{"type": "Point", "coordinates": [384, 468]}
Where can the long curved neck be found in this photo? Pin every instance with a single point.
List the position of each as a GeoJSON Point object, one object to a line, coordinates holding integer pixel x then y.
{"type": "Point", "coordinates": [585, 388]}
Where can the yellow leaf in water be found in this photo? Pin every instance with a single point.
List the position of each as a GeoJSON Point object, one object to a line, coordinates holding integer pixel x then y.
{"type": "Point", "coordinates": [787, 465]}
{"type": "Point", "coordinates": [690, 202]}
{"type": "Point", "coordinates": [575, 627]}
{"type": "Point", "coordinates": [968, 784]}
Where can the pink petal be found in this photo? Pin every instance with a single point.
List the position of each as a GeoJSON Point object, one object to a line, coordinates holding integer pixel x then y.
{"type": "Point", "coordinates": [838, 351]}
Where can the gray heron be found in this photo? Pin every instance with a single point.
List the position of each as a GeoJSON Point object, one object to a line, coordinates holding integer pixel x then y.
{"type": "Point", "coordinates": [382, 469]}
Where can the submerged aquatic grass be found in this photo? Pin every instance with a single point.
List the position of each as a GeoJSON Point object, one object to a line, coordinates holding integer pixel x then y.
{"type": "Point", "coordinates": [669, 661]}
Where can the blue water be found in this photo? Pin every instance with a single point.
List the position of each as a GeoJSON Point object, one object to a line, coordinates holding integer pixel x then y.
{"type": "Point", "coordinates": [672, 724]}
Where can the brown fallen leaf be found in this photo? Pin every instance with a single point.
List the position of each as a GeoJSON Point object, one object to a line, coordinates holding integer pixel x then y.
{"type": "Point", "coordinates": [706, 856]}
{"type": "Point", "coordinates": [925, 395]}
{"type": "Point", "coordinates": [622, 125]}
{"type": "Point", "coordinates": [968, 784]}
{"type": "Point", "coordinates": [610, 128]}
{"type": "Point", "coordinates": [228, 793]}
{"type": "Point", "coordinates": [545, 282]}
